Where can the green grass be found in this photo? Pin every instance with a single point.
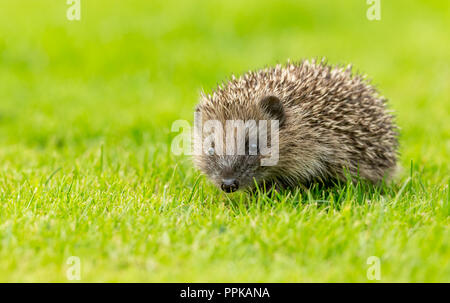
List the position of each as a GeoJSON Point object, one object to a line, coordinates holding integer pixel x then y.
{"type": "Point", "coordinates": [85, 163]}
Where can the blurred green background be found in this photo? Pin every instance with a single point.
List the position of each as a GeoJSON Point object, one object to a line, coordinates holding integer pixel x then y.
{"type": "Point", "coordinates": [85, 114]}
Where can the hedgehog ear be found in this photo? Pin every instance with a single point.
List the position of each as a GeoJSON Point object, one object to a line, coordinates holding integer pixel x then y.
{"type": "Point", "coordinates": [272, 105]}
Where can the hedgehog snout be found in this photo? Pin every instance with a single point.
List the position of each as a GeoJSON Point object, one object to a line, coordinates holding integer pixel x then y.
{"type": "Point", "coordinates": [229, 185]}
{"type": "Point", "coordinates": [233, 173]}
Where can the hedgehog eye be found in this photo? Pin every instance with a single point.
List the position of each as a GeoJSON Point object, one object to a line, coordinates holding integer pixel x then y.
{"type": "Point", "coordinates": [211, 151]}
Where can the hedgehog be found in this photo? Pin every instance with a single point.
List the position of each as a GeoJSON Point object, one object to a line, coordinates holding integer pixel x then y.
{"type": "Point", "coordinates": [332, 125]}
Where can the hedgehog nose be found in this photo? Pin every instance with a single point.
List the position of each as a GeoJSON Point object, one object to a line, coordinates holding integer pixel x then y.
{"type": "Point", "coordinates": [229, 185]}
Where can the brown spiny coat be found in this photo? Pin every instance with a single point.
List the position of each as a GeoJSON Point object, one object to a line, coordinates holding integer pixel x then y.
{"type": "Point", "coordinates": [334, 123]}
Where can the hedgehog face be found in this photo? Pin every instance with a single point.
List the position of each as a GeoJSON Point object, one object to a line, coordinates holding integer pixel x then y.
{"type": "Point", "coordinates": [233, 154]}
{"type": "Point", "coordinates": [232, 173]}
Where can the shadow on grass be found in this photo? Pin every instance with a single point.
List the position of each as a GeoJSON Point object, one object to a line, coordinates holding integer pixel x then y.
{"type": "Point", "coordinates": [332, 195]}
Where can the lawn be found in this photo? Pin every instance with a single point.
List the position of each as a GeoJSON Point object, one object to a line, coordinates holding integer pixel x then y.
{"type": "Point", "coordinates": [86, 170]}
